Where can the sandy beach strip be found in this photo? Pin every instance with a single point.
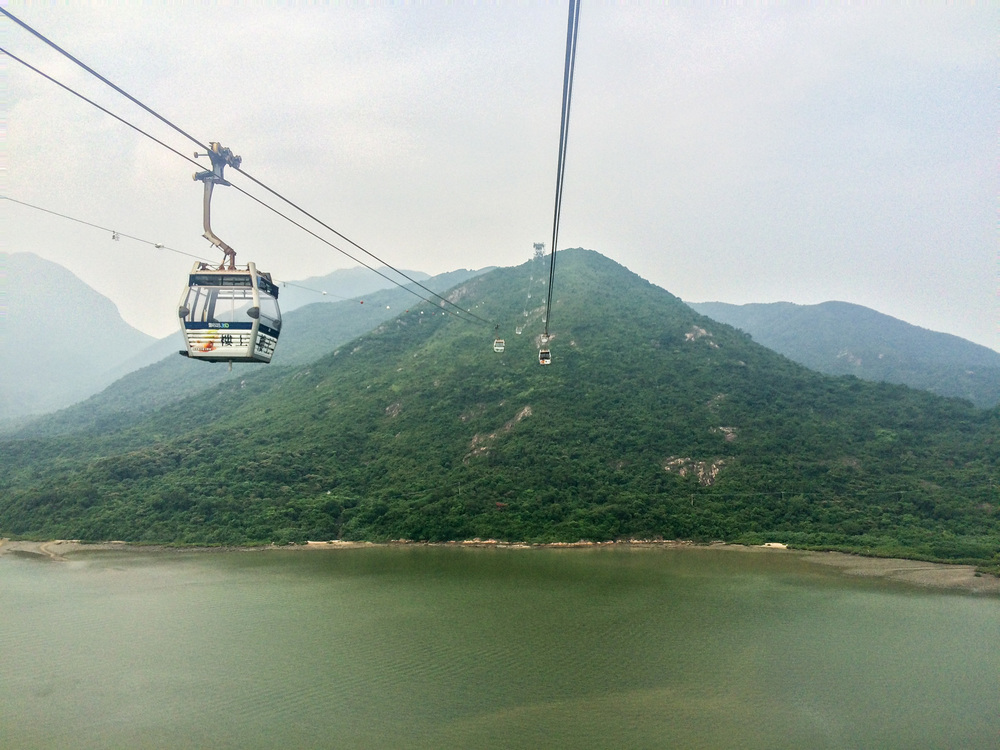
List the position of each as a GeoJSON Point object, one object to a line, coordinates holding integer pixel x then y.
{"type": "Point", "coordinates": [913, 572]}
{"type": "Point", "coordinates": [917, 572]}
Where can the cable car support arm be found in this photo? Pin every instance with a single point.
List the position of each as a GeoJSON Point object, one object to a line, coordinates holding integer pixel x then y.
{"type": "Point", "coordinates": [220, 157]}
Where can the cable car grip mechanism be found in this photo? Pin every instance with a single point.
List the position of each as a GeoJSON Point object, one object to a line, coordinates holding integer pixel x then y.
{"type": "Point", "coordinates": [220, 156]}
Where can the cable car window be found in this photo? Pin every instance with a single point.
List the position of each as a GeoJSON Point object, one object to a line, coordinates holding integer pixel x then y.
{"type": "Point", "coordinates": [220, 279]}
{"type": "Point", "coordinates": [266, 286]}
{"type": "Point", "coordinates": [269, 314]}
{"type": "Point", "coordinates": [231, 305]}
{"type": "Point", "coordinates": [198, 303]}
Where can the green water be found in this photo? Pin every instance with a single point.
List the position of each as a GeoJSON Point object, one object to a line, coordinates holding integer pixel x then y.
{"type": "Point", "coordinates": [440, 647]}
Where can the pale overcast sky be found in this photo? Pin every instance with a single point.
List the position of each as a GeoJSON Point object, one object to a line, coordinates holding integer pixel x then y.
{"type": "Point", "coordinates": [741, 153]}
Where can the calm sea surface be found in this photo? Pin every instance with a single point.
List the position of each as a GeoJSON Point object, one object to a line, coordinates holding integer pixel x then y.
{"type": "Point", "coordinates": [421, 647]}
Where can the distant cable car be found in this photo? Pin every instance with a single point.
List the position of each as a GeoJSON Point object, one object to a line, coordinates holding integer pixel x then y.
{"type": "Point", "coordinates": [518, 330]}
{"type": "Point", "coordinates": [544, 357]}
{"type": "Point", "coordinates": [230, 314]}
{"type": "Point", "coordinates": [498, 346]}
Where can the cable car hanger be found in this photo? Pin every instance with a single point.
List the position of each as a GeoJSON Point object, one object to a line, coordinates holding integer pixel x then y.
{"type": "Point", "coordinates": [227, 314]}
{"type": "Point", "coordinates": [221, 157]}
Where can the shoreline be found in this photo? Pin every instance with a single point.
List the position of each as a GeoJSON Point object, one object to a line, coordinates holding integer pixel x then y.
{"type": "Point", "coordinates": [932, 575]}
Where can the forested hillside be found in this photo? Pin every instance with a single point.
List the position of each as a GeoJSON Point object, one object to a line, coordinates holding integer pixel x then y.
{"type": "Point", "coordinates": [652, 421]}
{"type": "Point", "coordinates": [308, 333]}
{"type": "Point", "coordinates": [839, 338]}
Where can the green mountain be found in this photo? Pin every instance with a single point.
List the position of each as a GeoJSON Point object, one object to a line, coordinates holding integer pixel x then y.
{"type": "Point", "coordinates": [652, 421]}
{"type": "Point", "coordinates": [308, 333]}
{"type": "Point", "coordinates": [62, 341]}
{"type": "Point", "coordinates": [839, 338]}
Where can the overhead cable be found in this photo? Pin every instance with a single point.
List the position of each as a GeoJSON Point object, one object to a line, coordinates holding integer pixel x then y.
{"type": "Point", "coordinates": [116, 234]}
{"type": "Point", "coordinates": [91, 102]}
{"type": "Point", "coordinates": [348, 239]}
{"type": "Point", "coordinates": [278, 195]}
{"type": "Point", "coordinates": [236, 187]}
{"type": "Point", "coordinates": [571, 35]}
{"type": "Point", "coordinates": [97, 75]}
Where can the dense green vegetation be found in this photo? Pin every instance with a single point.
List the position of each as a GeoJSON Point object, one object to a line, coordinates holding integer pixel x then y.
{"type": "Point", "coordinates": [652, 422]}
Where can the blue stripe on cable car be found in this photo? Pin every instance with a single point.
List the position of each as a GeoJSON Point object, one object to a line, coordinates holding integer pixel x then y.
{"type": "Point", "coordinates": [217, 326]}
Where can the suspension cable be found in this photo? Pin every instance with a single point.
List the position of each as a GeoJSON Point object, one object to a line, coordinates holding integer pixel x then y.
{"type": "Point", "coordinates": [236, 187]}
{"type": "Point", "coordinates": [115, 234]}
{"type": "Point", "coordinates": [346, 254]}
{"type": "Point", "coordinates": [348, 239]}
{"type": "Point", "coordinates": [170, 124]}
{"type": "Point", "coordinates": [571, 35]}
{"type": "Point", "coordinates": [97, 75]}
{"type": "Point", "coordinates": [91, 102]}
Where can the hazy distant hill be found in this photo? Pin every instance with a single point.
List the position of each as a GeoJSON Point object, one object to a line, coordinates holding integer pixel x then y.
{"type": "Point", "coordinates": [844, 339]}
{"type": "Point", "coordinates": [61, 340]}
{"type": "Point", "coordinates": [652, 421]}
{"type": "Point", "coordinates": [308, 333]}
{"type": "Point", "coordinates": [343, 284]}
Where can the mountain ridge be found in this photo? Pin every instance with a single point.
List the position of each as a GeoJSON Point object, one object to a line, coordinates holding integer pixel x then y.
{"type": "Point", "coordinates": [344, 284]}
{"type": "Point", "coordinates": [840, 338]}
{"type": "Point", "coordinates": [309, 331]}
{"type": "Point", "coordinates": [652, 421]}
{"type": "Point", "coordinates": [64, 340]}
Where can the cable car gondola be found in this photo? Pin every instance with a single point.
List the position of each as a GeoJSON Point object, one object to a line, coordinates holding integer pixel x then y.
{"type": "Point", "coordinates": [227, 314]}
{"type": "Point", "coordinates": [498, 346]}
{"type": "Point", "coordinates": [544, 357]}
{"type": "Point", "coordinates": [230, 314]}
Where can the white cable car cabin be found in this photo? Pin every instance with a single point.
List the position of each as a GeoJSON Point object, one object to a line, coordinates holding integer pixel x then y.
{"type": "Point", "coordinates": [498, 346]}
{"type": "Point", "coordinates": [544, 357]}
{"type": "Point", "coordinates": [230, 315]}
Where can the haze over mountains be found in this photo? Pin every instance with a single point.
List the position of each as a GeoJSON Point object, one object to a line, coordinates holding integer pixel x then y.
{"type": "Point", "coordinates": [343, 284]}
{"type": "Point", "coordinates": [652, 421]}
{"type": "Point", "coordinates": [62, 341]}
{"type": "Point", "coordinates": [307, 333]}
{"type": "Point", "coordinates": [65, 342]}
{"type": "Point", "coordinates": [839, 338]}
{"type": "Point", "coordinates": [72, 343]}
